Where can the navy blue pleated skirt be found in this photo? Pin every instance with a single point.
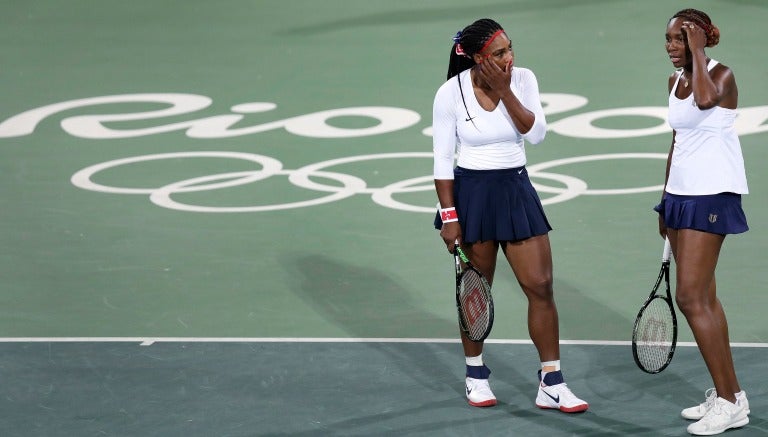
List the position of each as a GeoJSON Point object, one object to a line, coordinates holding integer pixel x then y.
{"type": "Point", "coordinates": [717, 213]}
{"type": "Point", "coordinates": [499, 205]}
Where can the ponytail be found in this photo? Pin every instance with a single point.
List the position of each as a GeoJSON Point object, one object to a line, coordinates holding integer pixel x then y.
{"type": "Point", "coordinates": [466, 43]}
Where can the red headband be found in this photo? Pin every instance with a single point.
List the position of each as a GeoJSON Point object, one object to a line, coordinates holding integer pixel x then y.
{"type": "Point", "coordinates": [490, 40]}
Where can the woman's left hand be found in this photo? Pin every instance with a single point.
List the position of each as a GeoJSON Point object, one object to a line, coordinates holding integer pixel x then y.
{"type": "Point", "coordinates": [496, 78]}
{"type": "Point", "coordinates": [662, 227]}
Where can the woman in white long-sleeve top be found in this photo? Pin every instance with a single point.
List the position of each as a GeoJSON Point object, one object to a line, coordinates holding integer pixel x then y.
{"type": "Point", "coordinates": [486, 111]}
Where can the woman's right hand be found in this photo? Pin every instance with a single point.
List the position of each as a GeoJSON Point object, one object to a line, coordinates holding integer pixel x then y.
{"type": "Point", "coordinates": [451, 233]}
{"type": "Point", "coordinates": [662, 227]}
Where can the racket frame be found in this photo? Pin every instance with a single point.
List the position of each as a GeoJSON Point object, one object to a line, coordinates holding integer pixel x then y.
{"type": "Point", "coordinates": [460, 257]}
{"type": "Point", "coordinates": [667, 298]}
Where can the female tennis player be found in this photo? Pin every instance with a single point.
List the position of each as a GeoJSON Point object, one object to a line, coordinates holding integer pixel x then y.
{"type": "Point", "coordinates": [485, 111]}
{"type": "Point", "coordinates": [701, 204]}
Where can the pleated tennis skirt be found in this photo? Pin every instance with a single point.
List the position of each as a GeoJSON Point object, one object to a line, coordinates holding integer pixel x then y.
{"type": "Point", "coordinates": [716, 213]}
{"type": "Point", "coordinates": [499, 205]}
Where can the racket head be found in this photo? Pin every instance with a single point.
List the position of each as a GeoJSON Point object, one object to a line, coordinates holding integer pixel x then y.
{"type": "Point", "coordinates": [654, 335]}
{"type": "Point", "coordinates": [474, 302]}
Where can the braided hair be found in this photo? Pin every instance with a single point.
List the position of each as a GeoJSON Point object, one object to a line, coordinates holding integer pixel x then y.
{"type": "Point", "coordinates": [468, 42]}
{"type": "Point", "coordinates": [702, 20]}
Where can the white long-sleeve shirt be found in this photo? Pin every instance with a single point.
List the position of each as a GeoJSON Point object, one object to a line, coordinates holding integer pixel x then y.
{"type": "Point", "coordinates": [484, 140]}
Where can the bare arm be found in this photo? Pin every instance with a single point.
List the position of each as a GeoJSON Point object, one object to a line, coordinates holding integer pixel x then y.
{"type": "Point", "coordinates": [710, 89]}
{"type": "Point", "coordinates": [670, 84]}
{"type": "Point", "coordinates": [662, 225]}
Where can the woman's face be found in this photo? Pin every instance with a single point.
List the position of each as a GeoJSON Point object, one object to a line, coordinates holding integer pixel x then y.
{"type": "Point", "coordinates": [499, 51]}
{"type": "Point", "coordinates": [677, 43]}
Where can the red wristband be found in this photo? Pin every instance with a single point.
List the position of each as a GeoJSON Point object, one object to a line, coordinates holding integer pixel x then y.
{"type": "Point", "coordinates": [448, 215]}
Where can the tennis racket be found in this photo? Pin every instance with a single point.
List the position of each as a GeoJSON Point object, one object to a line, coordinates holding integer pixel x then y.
{"type": "Point", "coordinates": [473, 299]}
{"type": "Point", "coordinates": [654, 335]}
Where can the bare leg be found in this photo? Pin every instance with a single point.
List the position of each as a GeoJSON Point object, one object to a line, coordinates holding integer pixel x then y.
{"type": "Point", "coordinates": [531, 261]}
{"type": "Point", "coordinates": [483, 257]}
{"type": "Point", "coordinates": [696, 255]}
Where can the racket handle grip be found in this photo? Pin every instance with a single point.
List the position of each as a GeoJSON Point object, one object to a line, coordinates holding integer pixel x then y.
{"type": "Point", "coordinates": [667, 253]}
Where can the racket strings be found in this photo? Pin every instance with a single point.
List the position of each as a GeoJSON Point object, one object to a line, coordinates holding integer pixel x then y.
{"type": "Point", "coordinates": [655, 335]}
{"type": "Point", "coordinates": [475, 304]}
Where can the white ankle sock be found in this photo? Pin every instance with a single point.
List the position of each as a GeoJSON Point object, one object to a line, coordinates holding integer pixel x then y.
{"type": "Point", "coordinates": [474, 361]}
{"type": "Point", "coordinates": [550, 364]}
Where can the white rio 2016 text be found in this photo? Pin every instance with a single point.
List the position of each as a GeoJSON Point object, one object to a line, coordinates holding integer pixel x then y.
{"type": "Point", "coordinates": [750, 121]}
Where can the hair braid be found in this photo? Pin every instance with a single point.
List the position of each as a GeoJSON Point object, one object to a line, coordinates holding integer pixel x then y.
{"type": "Point", "coordinates": [702, 20]}
{"type": "Point", "coordinates": [471, 40]}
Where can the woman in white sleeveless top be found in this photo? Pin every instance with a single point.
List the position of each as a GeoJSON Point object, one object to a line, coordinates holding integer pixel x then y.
{"type": "Point", "coordinates": [702, 204]}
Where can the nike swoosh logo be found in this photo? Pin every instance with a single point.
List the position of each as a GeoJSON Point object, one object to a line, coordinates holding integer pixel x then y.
{"type": "Point", "coordinates": [519, 172]}
{"type": "Point", "coordinates": [469, 390]}
{"type": "Point", "coordinates": [469, 119]}
{"type": "Point", "coordinates": [556, 399]}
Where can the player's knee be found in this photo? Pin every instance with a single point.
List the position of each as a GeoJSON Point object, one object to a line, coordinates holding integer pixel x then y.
{"type": "Point", "coordinates": [689, 302]}
{"type": "Point", "coordinates": [539, 288]}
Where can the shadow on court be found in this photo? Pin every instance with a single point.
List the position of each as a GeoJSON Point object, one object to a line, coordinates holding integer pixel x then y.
{"type": "Point", "coordinates": [367, 303]}
{"type": "Point", "coordinates": [326, 389]}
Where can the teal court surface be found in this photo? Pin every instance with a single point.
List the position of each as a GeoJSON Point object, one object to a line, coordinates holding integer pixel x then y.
{"type": "Point", "coordinates": [216, 219]}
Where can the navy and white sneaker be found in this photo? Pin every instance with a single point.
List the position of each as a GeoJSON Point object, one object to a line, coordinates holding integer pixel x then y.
{"type": "Point", "coordinates": [478, 390]}
{"type": "Point", "coordinates": [555, 394]}
{"type": "Point", "coordinates": [479, 393]}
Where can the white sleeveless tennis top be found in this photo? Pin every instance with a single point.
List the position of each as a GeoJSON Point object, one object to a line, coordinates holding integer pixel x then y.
{"type": "Point", "coordinates": [707, 155]}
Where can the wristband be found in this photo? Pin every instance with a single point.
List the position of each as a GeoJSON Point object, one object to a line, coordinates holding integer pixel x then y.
{"type": "Point", "coordinates": [448, 215]}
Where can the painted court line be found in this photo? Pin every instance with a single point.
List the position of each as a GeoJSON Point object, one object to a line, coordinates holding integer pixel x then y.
{"type": "Point", "coordinates": [148, 341]}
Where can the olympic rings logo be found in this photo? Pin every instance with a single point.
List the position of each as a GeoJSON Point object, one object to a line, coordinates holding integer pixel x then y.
{"type": "Point", "coordinates": [306, 177]}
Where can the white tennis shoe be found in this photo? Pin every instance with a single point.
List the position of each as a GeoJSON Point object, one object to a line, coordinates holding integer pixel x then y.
{"type": "Point", "coordinates": [555, 394]}
{"type": "Point", "coordinates": [720, 416]}
{"type": "Point", "coordinates": [697, 412]}
{"type": "Point", "coordinates": [479, 393]}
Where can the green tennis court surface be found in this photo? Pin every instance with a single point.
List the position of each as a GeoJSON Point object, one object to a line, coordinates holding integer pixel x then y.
{"type": "Point", "coordinates": [216, 218]}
